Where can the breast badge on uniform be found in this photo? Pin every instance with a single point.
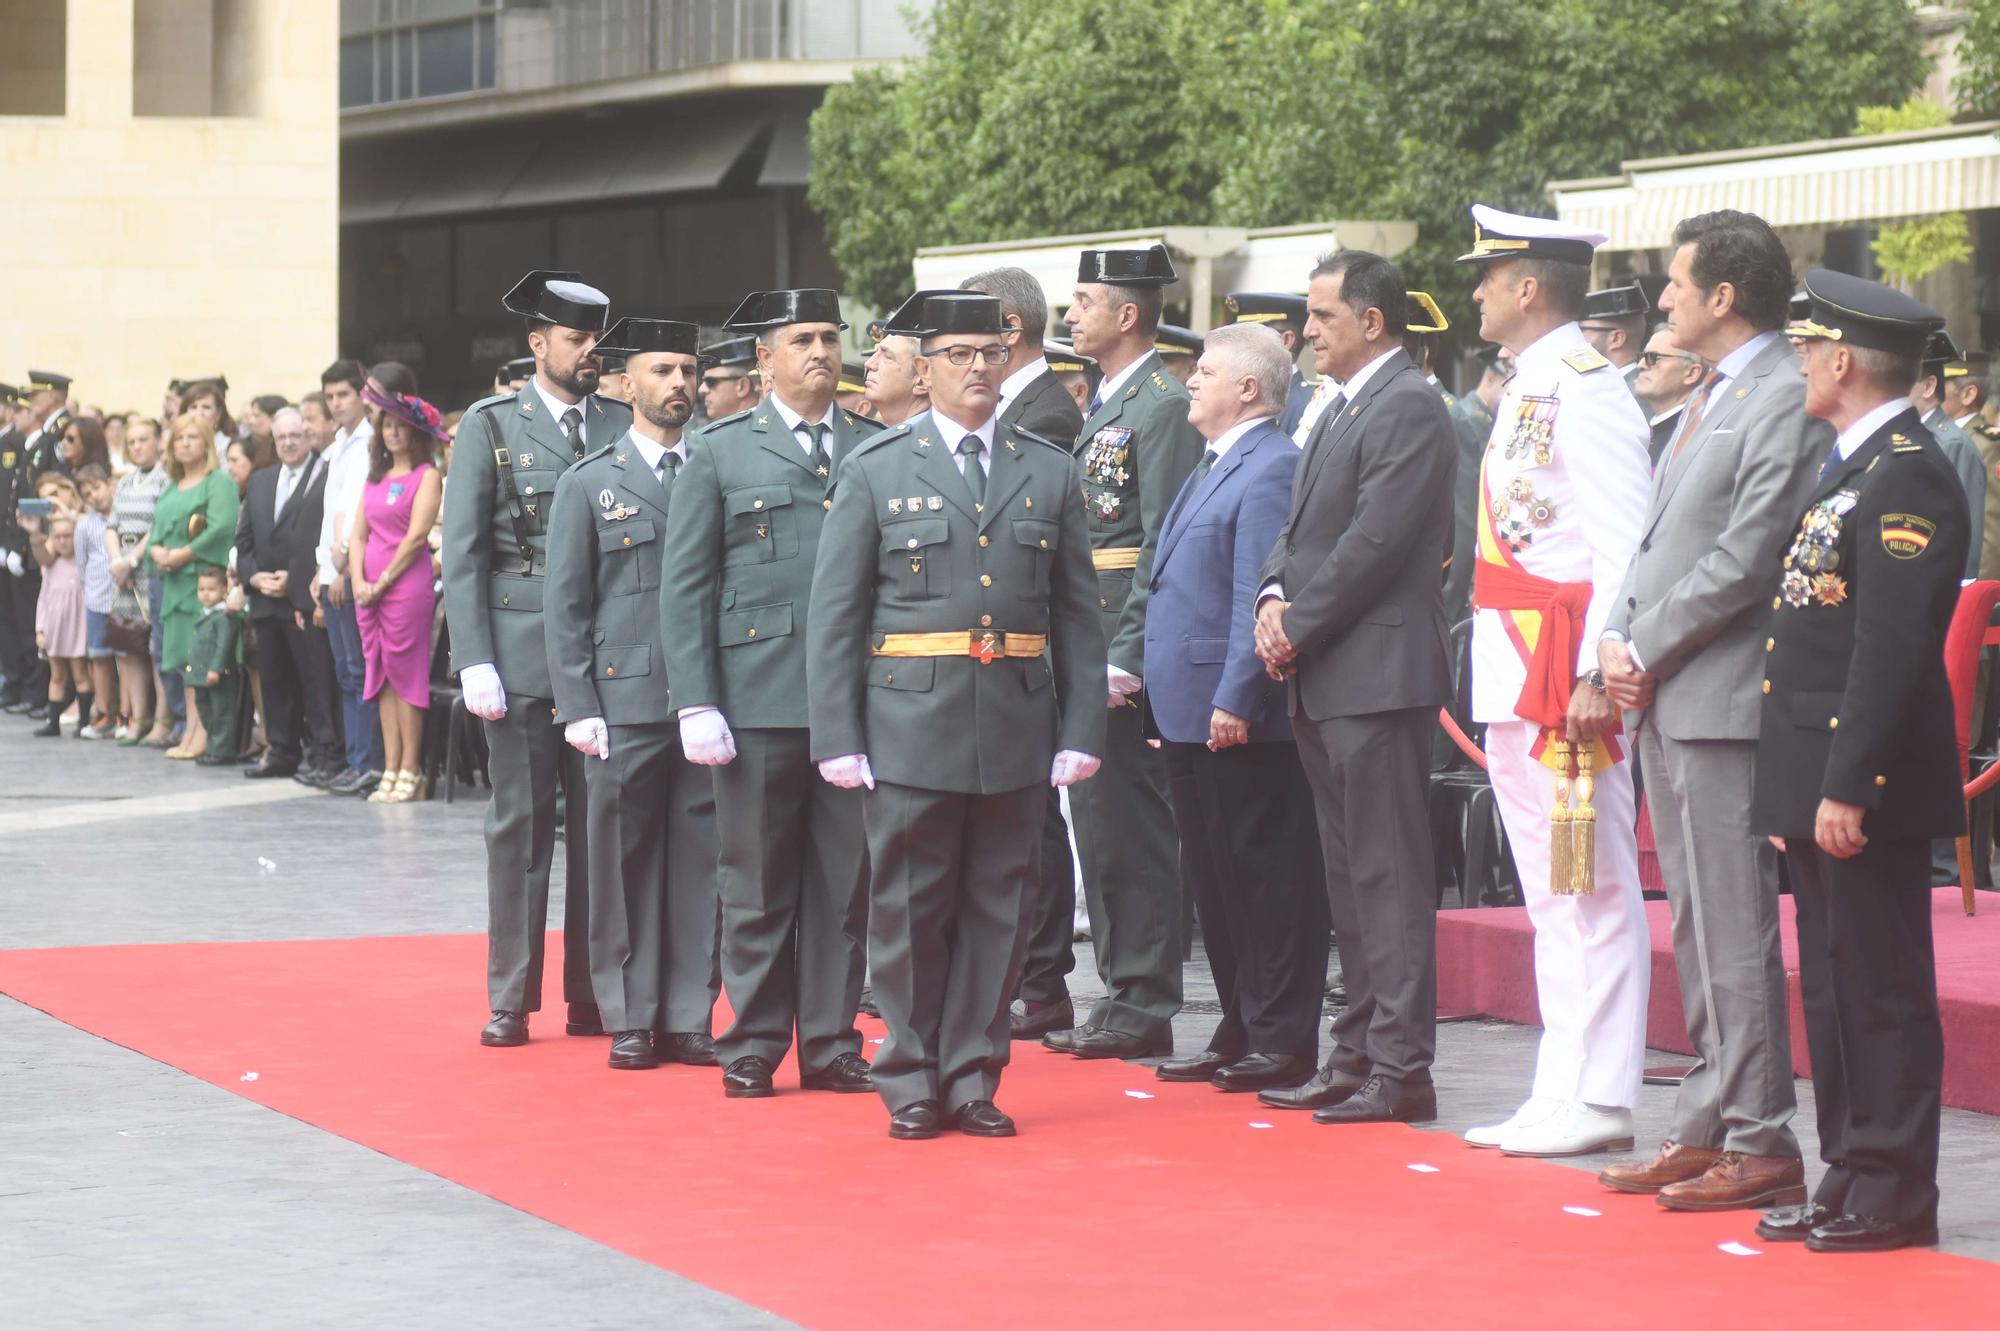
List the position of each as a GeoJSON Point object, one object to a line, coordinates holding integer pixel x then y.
{"type": "Point", "coordinates": [1104, 460]}
{"type": "Point", "coordinates": [1519, 512]}
{"type": "Point", "coordinates": [895, 508]}
{"type": "Point", "coordinates": [1812, 564]}
{"type": "Point", "coordinates": [1905, 535]}
{"type": "Point", "coordinates": [1534, 429]}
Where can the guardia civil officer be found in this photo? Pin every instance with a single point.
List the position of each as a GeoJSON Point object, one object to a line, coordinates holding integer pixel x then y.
{"type": "Point", "coordinates": [1857, 764]}
{"type": "Point", "coordinates": [737, 591]}
{"type": "Point", "coordinates": [1136, 450]}
{"type": "Point", "coordinates": [955, 663]}
{"type": "Point", "coordinates": [511, 451]}
{"type": "Point", "coordinates": [651, 843]}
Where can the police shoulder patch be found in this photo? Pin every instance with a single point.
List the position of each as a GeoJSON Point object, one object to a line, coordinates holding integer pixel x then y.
{"type": "Point", "coordinates": [1585, 359]}
{"type": "Point", "coordinates": [1905, 535]}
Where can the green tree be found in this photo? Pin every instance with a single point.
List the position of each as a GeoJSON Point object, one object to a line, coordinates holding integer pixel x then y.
{"type": "Point", "coordinates": [1910, 251]}
{"type": "Point", "coordinates": [1977, 85]}
{"type": "Point", "coordinates": [1042, 117]}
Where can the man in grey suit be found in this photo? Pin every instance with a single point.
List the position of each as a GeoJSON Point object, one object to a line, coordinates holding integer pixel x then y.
{"type": "Point", "coordinates": [1033, 399]}
{"type": "Point", "coordinates": [737, 589]}
{"type": "Point", "coordinates": [652, 813]}
{"type": "Point", "coordinates": [513, 449]}
{"type": "Point", "coordinates": [1682, 654]}
{"type": "Point", "coordinates": [1351, 611]}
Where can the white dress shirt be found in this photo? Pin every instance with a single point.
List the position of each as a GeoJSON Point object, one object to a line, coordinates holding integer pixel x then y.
{"type": "Point", "coordinates": [1857, 434]}
{"type": "Point", "coordinates": [954, 434]}
{"type": "Point", "coordinates": [793, 421]}
{"type": "Point", "coordinates": [290, 481]}
{"type": "Point", "coordinates": [346, 477]}
{"type": "Point", "coordinates": [1019, 381]}
{"type": "Point", "coordinates": [655, 452]}
{"type": "Point", "coordinates": [1108, 388]}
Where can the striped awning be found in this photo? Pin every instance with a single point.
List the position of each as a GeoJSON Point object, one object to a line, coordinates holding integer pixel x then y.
{"type": "Point", "coordinates": [1834, 182]}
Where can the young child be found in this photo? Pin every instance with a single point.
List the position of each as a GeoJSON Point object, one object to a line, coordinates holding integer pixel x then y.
{"type": "Point", "coordinates": [215, 671]}
{"type": "Point", "coordinates": [59, 625]}
{"type": "Point", "coordinates": [95, 546]}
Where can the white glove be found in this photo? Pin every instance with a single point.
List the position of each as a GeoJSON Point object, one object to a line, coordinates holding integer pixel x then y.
{"type": "Point", "coordinates": [1071, 767]}
{"type": "Point", "coordinates": [14, 564]}
{"type": "Point", "coordinates": [589, 736]}
{"type": "Point", "coordinates": [484, 698]}
{"type": "Point", "coordinates": [1122, 684]}
{"type": "Point", "coordinates": [705, 737]}
{"type": "Point", "coordinates": [848, 773]}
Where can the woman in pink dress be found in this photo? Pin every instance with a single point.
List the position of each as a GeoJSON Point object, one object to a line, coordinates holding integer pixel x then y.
{"type": "Point", "coordinates": [395, 592]}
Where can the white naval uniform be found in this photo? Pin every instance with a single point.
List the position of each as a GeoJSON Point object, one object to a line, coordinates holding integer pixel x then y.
{"type": "Point", "coordinates": [1573, 514]}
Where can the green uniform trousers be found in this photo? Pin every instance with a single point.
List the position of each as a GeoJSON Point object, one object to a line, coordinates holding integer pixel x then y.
{"type": "Point", "coordinates": [793, 872]}
{"type": "Point", "coordinates": [528, 763]}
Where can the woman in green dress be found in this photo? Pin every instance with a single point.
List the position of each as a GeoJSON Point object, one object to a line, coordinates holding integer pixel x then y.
{"type": "Point", "coordinates": [194, 528]}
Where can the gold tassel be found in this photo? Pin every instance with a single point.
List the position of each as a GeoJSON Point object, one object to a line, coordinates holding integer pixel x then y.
{"type": "Point", "coordinates": [1559, 832]}
{"type": "Point", "coordinates": [1583, 825]}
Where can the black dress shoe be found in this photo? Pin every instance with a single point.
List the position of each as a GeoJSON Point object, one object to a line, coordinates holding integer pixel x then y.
{"type": "Point", "coordinates": [365, 785]}
{"type": "Point", "coordinates": [867, 1006]}
{"type": "Point", "coordinates": [748, 1078]}
{"type": "Point", "coordinates": [1064, 1041]}
{"type": "Point", "coordinates": [315, 777]}
{"type": "Point", "coordinates": [219, 760]}
{"type": "Point", "coordinates": [1040, 1020]}
{"type": "Point", "coordinates": [1117, 1044]}
{"type": "Point", "coordinates": [506, 1030]}
{"type": "Point", "coordinates": [1791, 1224]}
{"type": "Point", "coordinates": [847, 1074]}
{"type": "Point", "coordinates": [1328, 1086]}
{"type": "Point", "coordinates": [1377, 1101]}
{"type": "Point", "coordinates": [268, 770]}
{"type": "Point", "coordinates": [1255, 1072]}
{"type": "Point", "coordinates": [1867, 1233]}
{"type": "Point", "coordinates": [915, 1123]}
{"type": "Point", "coordinates": [584, 1019]}
{"type": "Point", "coordinates": [633, 1050]}
{"type": "Point", "coordinates": [1199, 1068]}
{"type": "Point", "coordinates": [690, 1047]}
{"type": "Point", "coordinates": [982, 1118]}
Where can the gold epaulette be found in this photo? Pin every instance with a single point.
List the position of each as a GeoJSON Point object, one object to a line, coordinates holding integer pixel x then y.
{"type": "Point", "coordinates": [1584, 359]}
{"type": "Point", "coordinates": [1902, 443]}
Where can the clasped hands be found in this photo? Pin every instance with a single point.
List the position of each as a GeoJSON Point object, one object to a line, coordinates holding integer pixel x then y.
{"type": "Point", "coordinates": [1629, 687]}
{"type": "Point", "coordinates": [1274, 648]}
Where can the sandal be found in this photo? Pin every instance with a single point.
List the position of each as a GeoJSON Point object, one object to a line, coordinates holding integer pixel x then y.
{"type": "Point", "coordinates": [136, 733]}
{"type": "Point", "coordinates": [385, 790]}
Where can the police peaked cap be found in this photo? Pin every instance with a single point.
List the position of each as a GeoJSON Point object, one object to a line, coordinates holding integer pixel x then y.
{"type": "Point", "coordinates": [1859, 313]}
{"type": "Point", "coordinates": [1173, 340]}
{"type": "Point", "coordinates": [561, 298]}
{"type": "Point", "coordinates": [1266, 307]}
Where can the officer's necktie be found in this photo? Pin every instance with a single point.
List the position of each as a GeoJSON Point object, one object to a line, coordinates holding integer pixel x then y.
{"type": "Point", "coordinates": [1194, 480]}
{"type": "Point", "coordinates": [1697, 407]}
{"type": "Point", "coordinates": [1832, 461]}
{"type": "Point", "coordinates": [821, 463]}
{"type": "Point", "coordinates": [572, 429]}
{"type": "Point", "coordinates": [975, 475]}
{"type": "Point", "coordinates": [1096, 401]}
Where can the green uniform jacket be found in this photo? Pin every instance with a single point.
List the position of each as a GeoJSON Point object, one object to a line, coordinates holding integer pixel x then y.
{"type": "Point", "coordinates": [907, 551]}
{"type": "Point", "coordinates": [492, 595]}
{"type": "Point", "coordinates": [603, 621]}
{"type": "Point", "coordinates": [217, 646]}
{"type": "Point", "coordinates": [739, 566]}
{"type": "Point", "coordinates": [1136, 451]}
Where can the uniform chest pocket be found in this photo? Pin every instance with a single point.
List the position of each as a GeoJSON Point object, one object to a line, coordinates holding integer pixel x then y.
{"type": "Point", "coordinates": [760, 525]}
{"type": "Point", "coordinates": [1039, 537]}
{"type": "Point", "coordinates": [537, 490]}
{"type": "Point", "coordinates": [916, 558]}
{"type": "Point", "coordinates": [628, 556]}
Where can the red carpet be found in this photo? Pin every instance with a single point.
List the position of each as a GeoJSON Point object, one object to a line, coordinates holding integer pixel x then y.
{"type": "Point", "coordinates": [1108, 1211]}
{"type": "Point", "coordinates": [1486, 965]}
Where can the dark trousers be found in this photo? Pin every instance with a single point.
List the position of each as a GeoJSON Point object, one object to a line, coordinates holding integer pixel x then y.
{"type": "Point", "coordinates": [1051, 953]}
{"type": "Point", "coordinates": [793, 875]}
{"type": "Point", "coordinates": [221, 709]}
{"type": "Point", "coordinates": [296, 667]}
{"type": "Point", "coordinates": [1131, 881]}
{"type": "Point", "coordinates": [1250, 849]}
{"type": "Point", "coordinates": [1869, 984]}
{"type": "Point", "coordinates": [531, 768]}
{"type": "Point", "coordinates": [24, 669]}
{"type": "Point", "coordinates": [1369, 777]}
{"type": "Point", "coordinates": [949, 880]}
{"type": "Point", "coordinates": [653, 902]}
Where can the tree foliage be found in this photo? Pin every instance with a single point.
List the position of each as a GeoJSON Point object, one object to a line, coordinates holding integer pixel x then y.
{"type": "Point", "coordinates": [1042, 117]}
{"type": "Point", "coordinates": [1910, 251]}
{"type": "Point", "coordinates": [1977, 84]}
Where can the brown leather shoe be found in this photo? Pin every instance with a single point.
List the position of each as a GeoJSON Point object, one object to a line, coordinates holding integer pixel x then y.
{"type": "Point", "coordinates": [1736, 1180]}
{"type": "Point", "coordinates": [1674, 1164]}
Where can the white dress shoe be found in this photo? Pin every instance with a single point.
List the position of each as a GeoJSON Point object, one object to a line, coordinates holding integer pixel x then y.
{"type": "Point", "coordinates": [1573, 1129]}
{"type": "Point", "coordinates": [1534, 1111]}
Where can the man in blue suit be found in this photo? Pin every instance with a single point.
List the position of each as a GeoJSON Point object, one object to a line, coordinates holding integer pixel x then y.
{"type": "Point", "coordinates": [1244, 809]}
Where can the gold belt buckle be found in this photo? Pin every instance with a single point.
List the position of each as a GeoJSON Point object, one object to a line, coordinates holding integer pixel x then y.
{"type": "Point", "coordinates": [988, 648]}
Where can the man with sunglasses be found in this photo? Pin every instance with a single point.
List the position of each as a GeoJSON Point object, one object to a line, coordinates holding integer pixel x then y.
{"type": "Point", "coordinates": [955, 669]}
{"type": "Point", "coordinates": [729, 379]}
{"type": "Point", "coordinates": [1666, 380]}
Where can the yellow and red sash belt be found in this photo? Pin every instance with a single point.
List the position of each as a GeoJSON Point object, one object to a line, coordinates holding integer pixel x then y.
{"type": "Point", "coordinates": [1551, 665]}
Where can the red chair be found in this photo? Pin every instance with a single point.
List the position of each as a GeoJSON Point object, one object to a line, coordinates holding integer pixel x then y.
{"type": "Point", "coordinates": [1970, 633]}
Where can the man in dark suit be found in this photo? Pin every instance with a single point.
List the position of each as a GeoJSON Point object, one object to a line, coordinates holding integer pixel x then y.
{"type": "Point", "coordinates": [1241, 802]}
{"type": "Point", "coordinates": [276, 531]}
{"type": "Point", "coordinates": [1857, 764]}
{"type": "Point", "coordinates": [1033, 399]}
{"type": "Point", "coordinates": [1351, 612]}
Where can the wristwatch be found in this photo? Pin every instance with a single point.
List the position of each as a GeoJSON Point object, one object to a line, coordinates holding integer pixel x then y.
{"type": "Point", "coordinates": [1595, 679]}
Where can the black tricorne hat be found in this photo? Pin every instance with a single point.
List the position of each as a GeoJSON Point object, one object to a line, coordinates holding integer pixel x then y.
{"type": "Point", "coordinates": [637, 337]}
{"type": "Point", "coordinates": [930, 313]}
{"type": "Point", "coordinates": [559, 297]}
{"type": "Point", "coordinates": [1621, 302]}
{"type": "Point", "coordinates": [1151, 266]}
{"type": "Point", "coordinates": [907, 319]}
{"type": "Point", "coordinates": [761, 310]}
{"type": "Point", "coordinates": [731, 353]}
